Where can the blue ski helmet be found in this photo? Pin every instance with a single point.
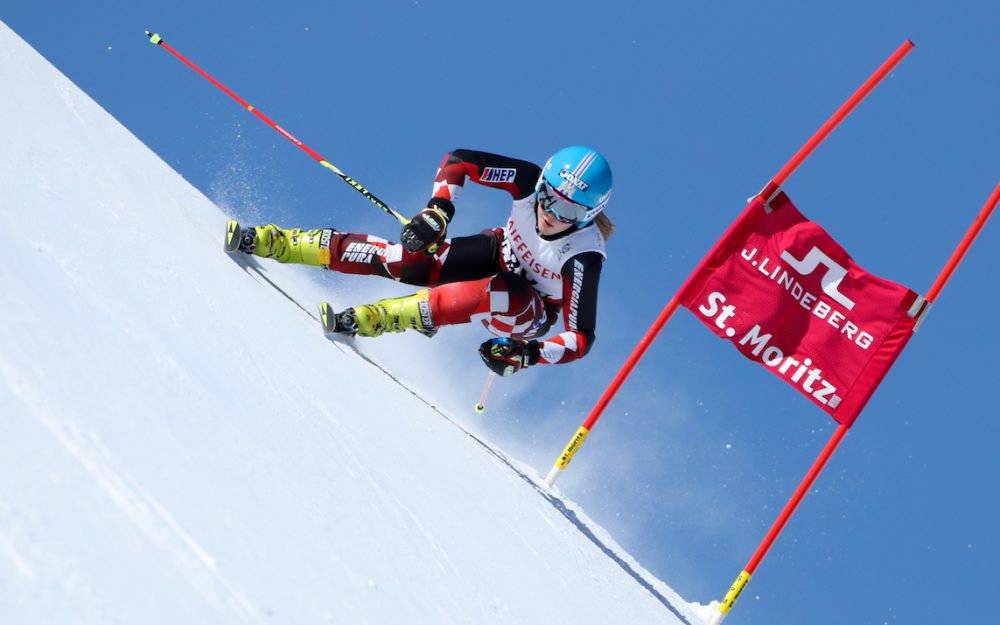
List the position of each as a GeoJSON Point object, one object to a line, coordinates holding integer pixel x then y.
{"type": "Point", "coordinates": [575, 185]}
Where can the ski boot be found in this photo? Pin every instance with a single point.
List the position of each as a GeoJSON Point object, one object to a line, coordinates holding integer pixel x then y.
{"type": "Point", "coordinates": [309, 247]}
{"type": "Point", "coordinates": [389, 315]}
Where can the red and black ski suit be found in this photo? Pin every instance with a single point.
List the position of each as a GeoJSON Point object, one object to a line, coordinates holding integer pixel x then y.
{"type": "Point", "coordinates": [513, 279]}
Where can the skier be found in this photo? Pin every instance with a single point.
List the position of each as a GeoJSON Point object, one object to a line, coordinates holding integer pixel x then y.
{"type": "Point", "coordinates": [515, 279]}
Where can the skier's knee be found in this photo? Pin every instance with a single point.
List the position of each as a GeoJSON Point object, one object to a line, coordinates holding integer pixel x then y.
{"type": "Point", "coordinates": [515, 308]}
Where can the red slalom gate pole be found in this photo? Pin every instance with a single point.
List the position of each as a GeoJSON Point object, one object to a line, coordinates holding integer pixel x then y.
{"type": "Point", "coordinates": [964, 245]}
{"type": "Point", "coordinates": [157, 40]}
{"type": "Point", "coordinates": [668, 311]}
{"type": "Point", "coordinates": [744, 577]}
{"type": "Point", "coordinates": [584, 430]}
{"type": "Point", "coordinates": [843, 112]}
{"type": "Point", "coordinates": [831, 446]}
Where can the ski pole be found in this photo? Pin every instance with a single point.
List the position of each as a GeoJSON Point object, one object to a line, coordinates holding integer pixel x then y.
{"type": "Point", "coordinates": [481, 406]}
{"type": "Point", "coordinates": [155, 39]}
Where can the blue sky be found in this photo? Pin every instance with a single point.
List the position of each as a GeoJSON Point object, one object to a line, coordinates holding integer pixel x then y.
{"type": "Point", "coordinates": [696, 106]}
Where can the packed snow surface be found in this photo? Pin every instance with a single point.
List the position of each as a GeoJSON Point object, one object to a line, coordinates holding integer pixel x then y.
{"type": "Point", "coordinates": [180, 444]}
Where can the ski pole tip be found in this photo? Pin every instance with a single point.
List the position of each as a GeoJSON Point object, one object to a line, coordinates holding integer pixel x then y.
{"type": "Point", "coordinates": [479, 408]}
{"type": "Point", "coordinates": [154, 38]}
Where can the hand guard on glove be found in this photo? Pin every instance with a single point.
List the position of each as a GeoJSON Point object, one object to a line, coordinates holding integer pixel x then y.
{"type": "Point", "coordinates": [506, 356]}
{"type": "Point", "coordinates": [429, 226]}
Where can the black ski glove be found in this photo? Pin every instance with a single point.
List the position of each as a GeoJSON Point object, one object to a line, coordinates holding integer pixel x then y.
{"type": "Point", "coordinates": [506, 356]}
{"type": "Point", "coordinates": [429, 226]}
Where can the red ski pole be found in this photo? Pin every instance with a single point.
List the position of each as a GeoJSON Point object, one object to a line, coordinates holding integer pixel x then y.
{"type": "Point", "coordinates": [480, 408]}
{"type": "Point", "coordinates": [157, 40]}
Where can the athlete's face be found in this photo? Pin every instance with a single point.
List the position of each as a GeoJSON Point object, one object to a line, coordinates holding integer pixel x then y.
{"type": "Point", "coordinates": [548, 224]}
{"type": "Point", "coordinates": [556, 213]}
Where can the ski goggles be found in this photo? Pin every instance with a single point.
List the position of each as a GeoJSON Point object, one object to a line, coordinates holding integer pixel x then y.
{"type": "Point", "coordinates": [559, 206]}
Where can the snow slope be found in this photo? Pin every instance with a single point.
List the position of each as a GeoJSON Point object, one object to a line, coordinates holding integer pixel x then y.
{"type": "Point", "coordinates": [180, 444]}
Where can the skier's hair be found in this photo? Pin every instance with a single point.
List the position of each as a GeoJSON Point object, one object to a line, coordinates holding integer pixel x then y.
{"type": "Point", "coordinates": [604, 224]}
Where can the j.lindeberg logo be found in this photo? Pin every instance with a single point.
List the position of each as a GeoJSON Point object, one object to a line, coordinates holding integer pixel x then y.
{"type": "Point", "coordinates": [784, 276]}
{"type": "Point", "coordinates": [831, 278]}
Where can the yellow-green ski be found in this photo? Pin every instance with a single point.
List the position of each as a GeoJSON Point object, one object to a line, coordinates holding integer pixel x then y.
{"type": "Point", "coordinates": [233, 235]}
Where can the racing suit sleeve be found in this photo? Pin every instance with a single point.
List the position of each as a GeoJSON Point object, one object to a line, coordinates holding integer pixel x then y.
{"type": "Point", "coordinates": [515, 176]}
{"type": "Point", "coordinates": [581, 277]}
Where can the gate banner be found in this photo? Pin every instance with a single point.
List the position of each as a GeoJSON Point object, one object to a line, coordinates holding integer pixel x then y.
{"type": "Point", "coordinates": [791, 299]}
